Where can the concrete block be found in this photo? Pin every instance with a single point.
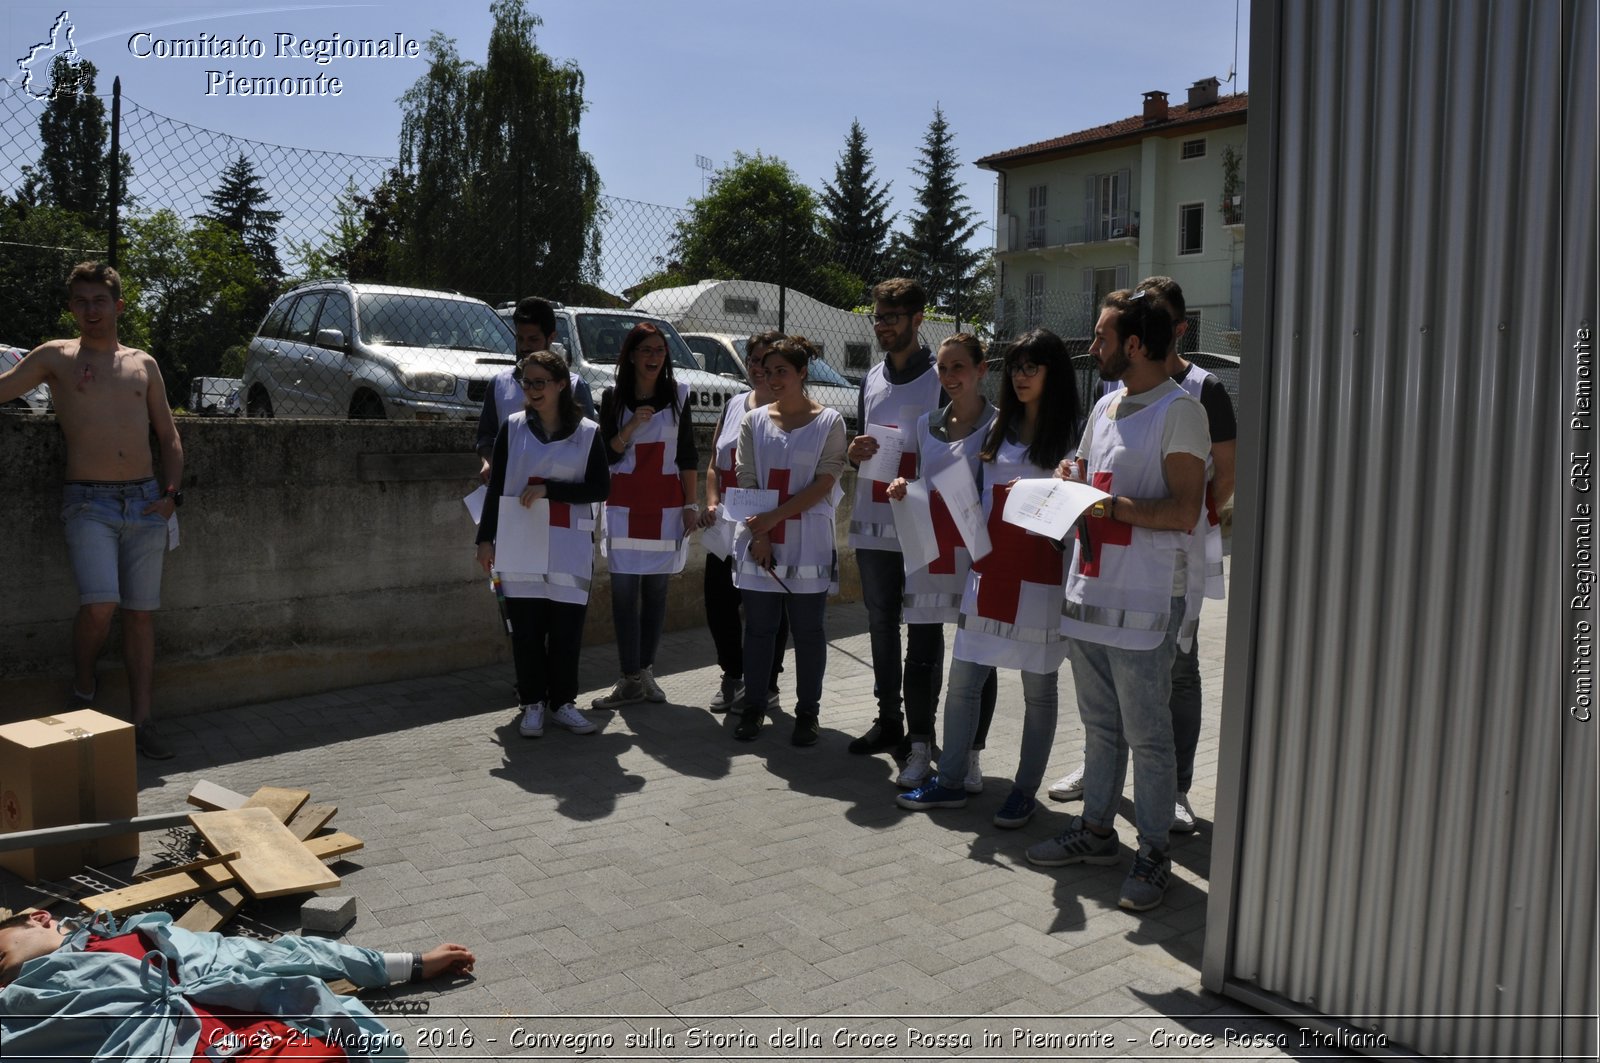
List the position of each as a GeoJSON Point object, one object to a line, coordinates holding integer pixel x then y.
{"type": "Point", "coordinates": [327, 915]}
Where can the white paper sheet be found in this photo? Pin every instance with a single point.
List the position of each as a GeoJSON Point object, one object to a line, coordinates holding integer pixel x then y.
{"type": "Point", "coordinates": [960, 494]}
{"type": "Point", "coordinates": [913, 526]}
{"type": "Point", "coordinates": [742, 503]}
{"type": "Point", "coordinates": [884, 466]}
{"type": "Point", "coordinates": [1048, 506]}
{"type": "Point", "coordinates": [522, 538]}
{"type": "Point", "coordinates": [172, 532]}
{"type": "Point", "coordinates": [474, 503]}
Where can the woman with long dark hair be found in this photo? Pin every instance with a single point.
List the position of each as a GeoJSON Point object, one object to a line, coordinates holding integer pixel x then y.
{"type": "Point", "coordinates": [1011, 608]}
{"type": "Point", "coordinates": [644, 420]}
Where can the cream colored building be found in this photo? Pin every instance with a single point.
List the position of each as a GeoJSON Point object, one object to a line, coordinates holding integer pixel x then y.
{"type": "Point", "coordinates": [1083, 214]}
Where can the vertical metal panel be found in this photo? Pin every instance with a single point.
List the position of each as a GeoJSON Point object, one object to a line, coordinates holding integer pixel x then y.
{"type": "Point", "coordinates": [1398, 847]}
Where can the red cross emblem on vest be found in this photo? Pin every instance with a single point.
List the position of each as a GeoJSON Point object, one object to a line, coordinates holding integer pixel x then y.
{"type": "Point", "coordinates": [908, 470]}
{"type": "Point", "coordinates": [778, 480]}
{"type": "Point", "coordinates": [1017, 558]}
{"type": "Point", "coordinates": [1103, 531]}
{"type": "Point", "coordinates": [560, 512]}
{"type": "Point", "coordinates": [946, 534]}
{"type": "Point", "coordinates": [648, 491]}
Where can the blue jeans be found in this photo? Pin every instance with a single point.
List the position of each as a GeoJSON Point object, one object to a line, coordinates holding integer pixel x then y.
{"type": "Point", "coordinates": [1185, 704]}
{"type": "Point", "coordinates": [763, 613]}
{"type": "Point", "coordinates": [115, 547]}
{"type": "Point", "coordinates": [1123, 701]}
{"type": "Point", "coordinates": [638, 611]}
{"type": "Point", "coordinates": [883, 590]}
{"type": "Point", "coordinates": [961, 711]}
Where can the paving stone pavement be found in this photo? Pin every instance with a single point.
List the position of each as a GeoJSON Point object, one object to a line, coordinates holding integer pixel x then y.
{"type": "Point", "coordinates": [658, 877]}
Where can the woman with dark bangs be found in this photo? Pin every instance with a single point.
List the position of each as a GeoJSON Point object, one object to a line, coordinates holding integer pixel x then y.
{"type": "Point", "coordinates": [644, 420]}
{"type": "Point", "coordinates": [1011, 609]}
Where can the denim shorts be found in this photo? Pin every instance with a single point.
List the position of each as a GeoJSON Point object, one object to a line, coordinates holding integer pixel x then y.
{"type": "Point", "coordinates": [116, 548]}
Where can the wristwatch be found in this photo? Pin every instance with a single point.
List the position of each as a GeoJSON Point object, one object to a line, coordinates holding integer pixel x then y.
{"type": "Point", "coordinates": [174, 494]}
{"type": "Point", "coordinates": [1103, 508]}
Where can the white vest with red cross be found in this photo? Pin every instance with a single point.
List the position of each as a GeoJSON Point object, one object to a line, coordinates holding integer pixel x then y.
{"type": "Point", "coordinates": [529, 460]}
{"type": "Point", "coordinates": [1122, 596]}
{"type": "Point", "coordinates": [1210, 526]}
{"type": "Point", "coordinates": [933, 592]}
{"type": "Point", "coordinates": [803, 554]}
{"type": "Point", "coordinates": [897, 406]}
{"type": "Point", "coordinates": [1011, 610]}
{"type": "Point", "coordinates": [643, 530]}
{"type": "Point", "coordinates": [718, 539]}
{"type": "Point", "coordinates": [509, 397]}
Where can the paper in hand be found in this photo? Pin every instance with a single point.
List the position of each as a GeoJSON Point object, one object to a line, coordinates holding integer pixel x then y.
{"type": "Point", "coordinates": [1049, 507]}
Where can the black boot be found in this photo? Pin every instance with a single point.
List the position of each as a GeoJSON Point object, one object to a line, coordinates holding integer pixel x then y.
{"type": "Point", "coordinates": [882, 736]}
{"type": "Point", "coordinates": [749, 726]}
{"type": "Point", "coordinates": [806, 729]}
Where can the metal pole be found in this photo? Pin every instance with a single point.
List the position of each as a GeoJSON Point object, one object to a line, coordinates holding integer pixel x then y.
{"type": "Point", "coordinates": [783, 269]}
{"type": "Point", "coordinates": [114, 189]}
{"type": "Point", "coordinates": [83, 832]}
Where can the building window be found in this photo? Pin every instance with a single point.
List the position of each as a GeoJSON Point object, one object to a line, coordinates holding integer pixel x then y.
{"type": "Point", "coordinates": [1033, 303]}
{"type": "Point", "coordinates": [1193, 149]}
{"type": "Point", "coordinates": [857, 355]}
{"type": "Point", "coordinates": [1191, 228]}
{"type": "Point", "coordinates": [1036, 216]}
{"type": "Point", "coordinates": [736, 304]}
{"type": "Point", "coordinates": [1106, 211]}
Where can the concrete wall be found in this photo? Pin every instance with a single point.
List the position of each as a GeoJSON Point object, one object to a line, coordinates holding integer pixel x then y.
{"type": "Point", "coordinates": [314, 555]}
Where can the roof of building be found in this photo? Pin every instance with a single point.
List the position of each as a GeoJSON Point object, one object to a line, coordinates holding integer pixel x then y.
{"type": "Point", "coordinates": [1132, 128]}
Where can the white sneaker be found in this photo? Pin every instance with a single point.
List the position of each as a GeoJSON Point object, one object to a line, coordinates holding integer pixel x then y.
{"type": "Point", "coordinates": [1183, 816]}
{"type": "Point", "coordinates": [652, 689]}
{"type": "Point", "coordinates": [1069, 787]}
{"type": "Point", "coordinates": [919, 768]}
{"type": "Point", "coordinates": [532, 725]}
{"type": "Point", "coordinates": [974, 780]}
{"type": "Point", "coordinates": [569, 717]}
{"type": "Point", "coordinates": [730, 696]}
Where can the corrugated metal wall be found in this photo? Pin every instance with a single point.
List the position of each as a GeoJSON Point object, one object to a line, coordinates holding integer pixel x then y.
{"type": "Point", "coordinates": [1406, 824]}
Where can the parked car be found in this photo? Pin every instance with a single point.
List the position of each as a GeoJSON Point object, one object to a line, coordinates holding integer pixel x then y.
{"type": "Point", "coordinates": [34, 400]}
{"type": "Point", "coordinates": [208, 395]}
{"type": "Point", "coordinates": [723, 353]}
{"type": "Point", "coordinates": [332, 348]}
{"type": "Point", "coordinates": [592, 338]}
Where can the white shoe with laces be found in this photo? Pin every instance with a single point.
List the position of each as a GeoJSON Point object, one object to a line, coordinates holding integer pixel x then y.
{"type": "Point", "coordinates": [1068, 787]}
{"type": "Point", "coordinates": [919, 768]}
{"type": "Point", "coordinates": [1183, 816]}
{"type": "Point", "coordinates": [652, 689]}
{"type": "Point", "coordinates": [532, 723]}
{"type": "Point", "coordinates": [569, 717]}
{"type": "Point", "coordinates": [974, 780]}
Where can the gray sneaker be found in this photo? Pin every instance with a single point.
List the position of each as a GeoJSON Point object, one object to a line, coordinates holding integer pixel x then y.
{"type": "Point", "coordinates": [1147, 881]}
{"type": "Point", "coordinates": [731, 694]}
{"type": "Point", "coordinates": [628, 691]}
{"type": "Point", "coordinates": [1183, 816]}
{"type": "Point", "coordinates": [1076, 845]}
{"type": "Point", "coordinates": [1068, 787]}
{"type": "Point", "coordinates": [652, 689]}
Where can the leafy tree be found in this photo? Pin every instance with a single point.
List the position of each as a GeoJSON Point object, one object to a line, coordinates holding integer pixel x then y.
{"type": "Point", "coordinates": [855, 207]}
{"type": "Point", "coordinates": [333, 256]}
{"type": "Point", "coordinates": [936, 251]}
{"type": "Point", "coordinates": [74, 170]}
{"type": "Point", "coordinates": [502, 200]}
{"type": "Point", "coordinates": [239, 203]}
{"type": "Point", "coordinates": [379, 253]}
{"type": "Point", "coordinates": [38, 247]}
{"type": "Point", "coordinates": [758, 222]}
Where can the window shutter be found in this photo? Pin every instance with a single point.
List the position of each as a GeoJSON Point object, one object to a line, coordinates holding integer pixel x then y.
{"type": "Point", "coordinates": [1090, 184]}
{"type": "Point", "coordinates": [1122, 276]}
{"type": "Point", "coordinates": [1088, 282]}
{"type": "Point", "coordinates": [1124, 181]}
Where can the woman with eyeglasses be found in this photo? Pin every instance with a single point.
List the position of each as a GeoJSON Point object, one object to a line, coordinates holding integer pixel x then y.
{"type": "Point", "coordinates": [548, 451]}
{"type": "Point", "coordinates": [784, 558]}
{"type": "Point", "coordinates": [944, 438]}
{"type": "Point", "coordinates": [1011, 607]}
{"type": "Point", "coordinates": [722, 598]}
{"type": "Point", "coordinates": [644, 420]}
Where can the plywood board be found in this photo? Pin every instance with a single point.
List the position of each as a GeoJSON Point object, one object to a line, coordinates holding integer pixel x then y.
{"type": "Point", "coordinates": [187, 884]}
{"type": "Point", "coordinates": [212, 910]}
{"type": "Point", "coordinates": [211, 797]}
{"type": "Point", "coordinates": [310, 819]}
{"type": "Point", "coordinates": [280, 802]}
{"type": "Point", "coordinates": [272, 861]}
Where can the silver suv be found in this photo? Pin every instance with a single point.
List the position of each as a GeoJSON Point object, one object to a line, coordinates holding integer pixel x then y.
{"type": "Point", "coordinates": [592, 338]}
{"type": "Point", "coordinates": [331, 348]}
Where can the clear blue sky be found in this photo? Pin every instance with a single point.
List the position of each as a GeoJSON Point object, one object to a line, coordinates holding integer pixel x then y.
{"type": "Point", "coordinates": [668, 80]}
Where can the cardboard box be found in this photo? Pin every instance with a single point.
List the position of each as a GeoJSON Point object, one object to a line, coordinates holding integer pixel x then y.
{"type": "Point", "coordinates": [74, 767]}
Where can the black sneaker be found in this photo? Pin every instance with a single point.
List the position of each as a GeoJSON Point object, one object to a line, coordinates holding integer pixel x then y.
{"type": "Point", "coordinates": [806, 731]}
{"type": "Point", "coordinates": [149, 742]}
{"type": "Point", "coordinates": [749, 726]}
{"type": "Point", "coordinates": [882, 736]}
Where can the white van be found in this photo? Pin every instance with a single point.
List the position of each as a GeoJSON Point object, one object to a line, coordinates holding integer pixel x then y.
{"type": "Point", "coordinates": [208, 395]}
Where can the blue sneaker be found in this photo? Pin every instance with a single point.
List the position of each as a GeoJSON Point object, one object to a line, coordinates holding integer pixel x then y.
{"type": "Point", "coordinates": [1016, 812]}
{"type": "Point", "coordinates": [932, 795]}
{"type": "Point", "coordinates": [1147, 881]}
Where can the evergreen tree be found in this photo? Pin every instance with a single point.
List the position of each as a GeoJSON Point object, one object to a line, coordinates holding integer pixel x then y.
{"type": "Point", "coordinates": [240, 203]}
{"type": "Point", "coordinates": [502, 201]}
{"type": "Point", "coordinates": [74, 169]}
{"type": "Point", "coordinates": [855, 208]}
{"type": "Point", "coordinates": [936, 250]}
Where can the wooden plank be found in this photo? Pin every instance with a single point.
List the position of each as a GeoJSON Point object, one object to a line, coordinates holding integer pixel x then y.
{"type": "Point", "coordinates": [213, 798]}
{"type": "Point", "coordinates": [193, 865]}
{"type": "Point", "coordinates": [280, 802]}
{"type": "Point", "coordinates": [310, 819]}
{"type": "Point", "coordinates": [212, 911]}
{"type": "Point", "coordinates": [343, 987]}
{"type": "Point", "coordinates": [188, 884]}
{"type": "Point", "coordinates": [272, 861]}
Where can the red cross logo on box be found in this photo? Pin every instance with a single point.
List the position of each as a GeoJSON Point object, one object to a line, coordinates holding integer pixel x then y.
{"type": "Point", "coordinates": [1017, 558]}
{"type": "Point", "coordinates": [647, 491]}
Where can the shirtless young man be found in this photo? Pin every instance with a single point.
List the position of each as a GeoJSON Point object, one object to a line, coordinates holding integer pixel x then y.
{"type": "Point", "coordinates": [108, 398]}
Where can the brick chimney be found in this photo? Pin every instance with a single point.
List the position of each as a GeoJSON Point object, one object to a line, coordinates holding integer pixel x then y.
{"type": "Point", "coordinates": [1203, 93]}
{"type": "Point", "coordinates": [1155, 107]}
